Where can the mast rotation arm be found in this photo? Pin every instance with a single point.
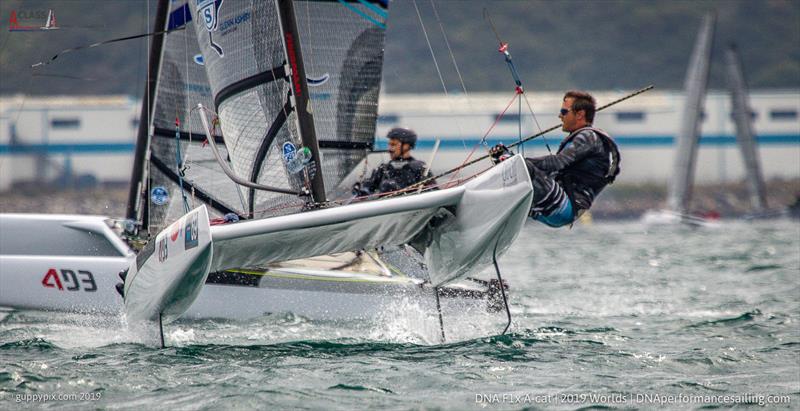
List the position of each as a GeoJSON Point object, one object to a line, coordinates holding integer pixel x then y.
{"type": "Point", "coordinates": [225, 168]}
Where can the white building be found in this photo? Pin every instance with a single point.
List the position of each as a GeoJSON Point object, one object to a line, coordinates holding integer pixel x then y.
{"type": "Point", "coordinates": [86, 139]}
{"type": "Point", "coordinates": [645, 128]}
{"type": "Point", "coordinates": [66, 140]}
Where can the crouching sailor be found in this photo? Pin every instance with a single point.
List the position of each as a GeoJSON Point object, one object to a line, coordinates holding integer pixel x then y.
{"type": "Point", "coordinates": [400, 172]}
{"type": "Point", "coordinates": [566, 183]}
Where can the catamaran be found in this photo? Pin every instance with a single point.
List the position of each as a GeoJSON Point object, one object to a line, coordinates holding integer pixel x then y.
{"type": "Point", "coordinates": [256, 121]}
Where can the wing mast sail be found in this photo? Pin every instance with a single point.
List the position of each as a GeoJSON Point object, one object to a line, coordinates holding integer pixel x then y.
{"type": "Point", "coordinates": [299, 87]}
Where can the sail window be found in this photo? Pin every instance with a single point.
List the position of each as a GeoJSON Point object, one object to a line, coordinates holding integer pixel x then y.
{"type": "Point", "coordinates": [388, 119]}
{"type": "Point", "coordinates": [630, 116]}
{"type": "Point", "coordinates": [783, 115]}
{"type": "Point", "coordinates": [65, 123]}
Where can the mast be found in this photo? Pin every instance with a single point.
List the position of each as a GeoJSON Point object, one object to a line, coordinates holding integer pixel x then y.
{"type": "Point", "coordinates": [744, 130]}
{"type": "Point", "coordinates": [299, 87]}
{"type": "Point", "coordinates": [695, 86]}
{"type": "Point", "coordinates": [145, 118]}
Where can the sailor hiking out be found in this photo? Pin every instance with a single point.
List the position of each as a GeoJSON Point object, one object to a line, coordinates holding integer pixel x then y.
{"type": "Point", "coordinates": [566, 183]}
{"type": "Point", "coordinates": [401, 171]}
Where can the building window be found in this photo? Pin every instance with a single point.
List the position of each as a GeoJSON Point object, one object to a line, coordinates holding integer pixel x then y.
{"type": "Point", "coordinates": [388, 119]}
{"type": "Point", "coordinates": [65, 123]}
{"type": "Point", "coordinates": [508, 118]}
{"type": "Point", "coordinates": [753, 116]}
{"type": "Point", "coordinates": [781, 115]}
{"type": "Point", "coordinates": [630, 116]}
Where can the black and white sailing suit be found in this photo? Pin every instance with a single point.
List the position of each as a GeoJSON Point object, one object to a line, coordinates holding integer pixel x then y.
{"type": "Point", "coordinates": [394, 175]}
{"type": "Point", "coordinates": [566, 183]}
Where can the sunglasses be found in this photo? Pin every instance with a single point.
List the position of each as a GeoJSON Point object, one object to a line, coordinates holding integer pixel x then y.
{"type": "Point", "coordinates": [565, 111]}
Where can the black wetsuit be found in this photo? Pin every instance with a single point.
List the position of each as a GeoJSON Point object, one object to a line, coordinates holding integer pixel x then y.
{"type": "Point", "coordinates": [566, 183]}
{"type": "Point", "coordinates": [395, 175]}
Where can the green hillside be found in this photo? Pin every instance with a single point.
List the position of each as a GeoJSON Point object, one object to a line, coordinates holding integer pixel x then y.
{"type": "Point", "coordinates": [555, 44]}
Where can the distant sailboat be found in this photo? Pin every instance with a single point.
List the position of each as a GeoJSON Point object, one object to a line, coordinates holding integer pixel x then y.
{"type": "Point", "coordinates": [742, 116]}
{"type": "Point", "coordinates": [680, 187]}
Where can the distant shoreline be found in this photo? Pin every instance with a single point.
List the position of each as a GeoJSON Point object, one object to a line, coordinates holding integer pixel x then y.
{"type": "Point", "coordinates": [619, 201]}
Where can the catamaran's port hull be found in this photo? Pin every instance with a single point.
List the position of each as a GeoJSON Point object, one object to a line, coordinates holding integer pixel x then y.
{"type": "Point", "coordinates": [47, 283]}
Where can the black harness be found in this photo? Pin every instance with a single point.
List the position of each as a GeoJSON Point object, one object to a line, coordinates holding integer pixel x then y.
{"type": "Point", "coordinates": [608, 145]}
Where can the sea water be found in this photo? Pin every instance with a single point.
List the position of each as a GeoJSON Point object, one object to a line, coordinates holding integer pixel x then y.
{"type": "Point", "coordinates": [613, 315]}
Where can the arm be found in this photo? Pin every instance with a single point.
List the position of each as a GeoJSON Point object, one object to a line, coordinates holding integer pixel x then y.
{"type": "Point", "coordinates": [582, 145]}
{"type": "Point", "coordinates": [371, 184]}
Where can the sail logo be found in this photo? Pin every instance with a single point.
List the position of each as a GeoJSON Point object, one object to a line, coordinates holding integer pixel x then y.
{"type": "Point", "coordinates": [208, 12]}
{"type": "Point", "coordinates": [49, 18]}
{"type": "Point", "coordinates": [316, 82]}
{"type": "Point", "coordinates": [229, 26]}
{"type": "Point", "coordinates": [509, 176]}
{"type": "Point", "coordinates": [289, 151]}
{"type": "Point", "coordinates": [198, 58]}
{"type": "Point", "coordinates": [163, 252]}
{"type": "Point", "coordinates": [290, 50]}
{"type": "Point", "coordinates": [159, 195]}
{"type": "Point", "coordinates": [191, 232]}
{"type": "Point", "coordinates": [176, 230]}
{"type": "Point", "coordinates": [70, 280]}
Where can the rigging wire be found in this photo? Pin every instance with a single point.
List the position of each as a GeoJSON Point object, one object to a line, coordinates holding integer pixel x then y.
{"type": "Point", "coordinates": [540, 134]}
{"type": "Point", "coordinates": [486, 134]}
{"type": "Point", "coordinates": [430, 47]}
{"type": "Point", "coordinates": [436, 64]}
{"type": "Point", "coordinates": [449, 50]}
{"type": "Point", "coordinates": [513, 69]}
{"type": "Point", "coordinates": [101, 43]}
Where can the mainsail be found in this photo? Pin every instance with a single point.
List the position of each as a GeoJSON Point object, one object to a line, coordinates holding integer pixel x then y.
{"type": "Point", "coordinates": [288, 80]}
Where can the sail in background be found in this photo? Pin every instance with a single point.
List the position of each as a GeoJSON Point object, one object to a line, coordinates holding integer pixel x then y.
{"type": "Point", "coordinates": [680, 188]}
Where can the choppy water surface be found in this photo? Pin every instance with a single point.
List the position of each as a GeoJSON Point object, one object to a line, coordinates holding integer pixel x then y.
{"type": "Point", "coordinates": [610, 315]}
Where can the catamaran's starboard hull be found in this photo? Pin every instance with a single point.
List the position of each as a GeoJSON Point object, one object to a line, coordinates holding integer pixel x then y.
{"type": "Point", "coordinates": [169, 272]}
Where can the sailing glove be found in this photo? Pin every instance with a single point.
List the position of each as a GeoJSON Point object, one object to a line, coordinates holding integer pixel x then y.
{"type": "Point", "coordinates": [500, 153]}
{"type": "Point", "coordinates": [359, 190]}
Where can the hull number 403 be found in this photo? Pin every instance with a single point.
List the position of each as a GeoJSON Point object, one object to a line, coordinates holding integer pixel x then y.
{"type": "Point", "coordinates": [70, 280]}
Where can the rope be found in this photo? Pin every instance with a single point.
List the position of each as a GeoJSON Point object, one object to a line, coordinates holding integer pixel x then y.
{"type": "Point", "coordinates": [543, 132]}
{"type": "Point", "coordinates": [486, 134]}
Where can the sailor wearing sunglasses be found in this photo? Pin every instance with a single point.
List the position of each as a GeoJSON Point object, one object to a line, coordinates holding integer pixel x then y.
{"type": "Point", "coordinates": [566, 183]}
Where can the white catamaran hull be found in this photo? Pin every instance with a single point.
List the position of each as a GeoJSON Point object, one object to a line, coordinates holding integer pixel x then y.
{"type": "Point", "coordinates": [462, 228]}
{"type": "Point", "coordinates": [84, 283]}
{"type": "Point", "coordinates": [26, 284]}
